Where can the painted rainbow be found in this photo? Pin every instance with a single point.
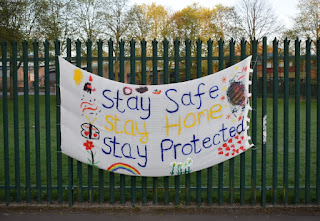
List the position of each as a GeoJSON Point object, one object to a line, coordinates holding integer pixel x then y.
{"type": "Point", "coordinates": [123, 166]}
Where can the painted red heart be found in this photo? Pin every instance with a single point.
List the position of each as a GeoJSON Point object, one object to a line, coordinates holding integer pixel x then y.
{"type": "Point", "coordinates": [242, 147]}
{"type": "Point", "coordinates": [232, 146]}
{"type": "Point", "coordinates": [86, 133]}
{"type": "Point", "coordinates": [227, 154]}
{"type": "Point", "coordinates": [221, 152]}
{"type": "Point", "coordinates": [242, 137]}
{"type": "Point", "coordinates": [228, 148]}
{"type": "Point", "coordinates": [230, 141]}
{"type": "Point", "coordinates": [224, 145]}
{"type": "Point", "coordinates": [239, 142]}
{"type": "Point", "coordinates": [95, 135]}
{"type": "Point", "coordinates": [237, 137]}
{"type": "Point", "coordinates": [219, 148]}
{"type": "Point", "coordinates": [237, 151]}
{"type": "Point", "coordinates": [232, 154]}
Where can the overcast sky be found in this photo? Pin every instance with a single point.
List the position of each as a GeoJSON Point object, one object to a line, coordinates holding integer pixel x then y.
{"type": "Point", "coordinates": [284, 8]}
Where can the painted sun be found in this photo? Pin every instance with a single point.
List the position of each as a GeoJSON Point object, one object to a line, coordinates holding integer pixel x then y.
{"type": "Point", "coordinates": [77, 76]}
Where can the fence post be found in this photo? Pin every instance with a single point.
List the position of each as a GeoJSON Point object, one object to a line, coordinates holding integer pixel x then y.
{"type": "Point", "coordinates": [79, 164]}
{"type": "Point", "coordinates": [100, 73]}
{"type": "Point", "coordinates": [58, 126]}
{"type": "Point", "coordinates": [26, 120]}
{"type": "Point", "coordinates": [188, 77]}
{"type": "Point", "coordinates": [5, 122]}
{"type": "Point", "coordinates": [243, 155]}
{"type": "Point", "coordinates": [176, 80]}
{"type": "Point", "coordinates": [264, 122]}
{"type": "Point", "coordinates": [165, 81]}
{"type": "Point", "coordinates": [70, 160]}
{"type": "Point", "coordinates": [37, 118]}
{"type": "Point", "coordinates": [231, 161]}
{"type": "Point", "coordinates": [297, 121]}
{"type": "Point", "coordinates": [133, 81]}
{"type": "Point", "coordinates": [209, 170]}
{"type": "Point", "coordinates": [275, 123]}
{"type": "Point", "coordinates": [220, 165]}
{"type": "Point", "coordinates": [47, 114]}
{"type": "Point", "coordinates": [308, 120]}
{"type": "Point", "coordinates": [111, 77]}
{"type": "Point", "coordinates": [199, 73]}
{"type": "Point", "coordinates": [286, 121]}
{"type": "Point", "coordinates": [90, 168]}
{"type": "Point", "coordinates": [121, 68]}
{"type": "Point", "coordinates": [155, 81]}
{"type": "Point", "coordinates": [254, 45]}
{"type": "Point", "coordinates": [16, 120]}
{"type": "Point", "coordinates": [144, 82]}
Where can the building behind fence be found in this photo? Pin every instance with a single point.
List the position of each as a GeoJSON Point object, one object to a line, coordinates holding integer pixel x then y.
{"type": "Point", "coordinates": [285, 169]}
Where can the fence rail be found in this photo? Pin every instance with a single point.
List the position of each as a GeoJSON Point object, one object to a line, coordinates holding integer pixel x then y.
{"type": "Point", "coordinates": [282, 168]}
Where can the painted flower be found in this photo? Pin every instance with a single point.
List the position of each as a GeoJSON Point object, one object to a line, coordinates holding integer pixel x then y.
{"type": "Point", "coordinates": [173, 164]}
{"type": "Point", "coordinates": [185, 164]}
{"type": "Point", "coordinates": [88, 144]}
{"type": "Point", "coordinates": [179, 168]}
{"type": "Point", "coordinates": [189, 162]}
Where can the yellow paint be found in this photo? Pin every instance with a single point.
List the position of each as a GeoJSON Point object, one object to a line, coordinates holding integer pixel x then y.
{"type": "Point", "coordinates": [202, 113]}
{"type": "Point", "coordinates": [90, 120]}
{"type": "Point", "coordinates": [132, 128]}
{"type": "Point", "coordinates": [173, 125]}
{"type": "Point", "coordinates": [110, 123]}
{"type": "Point", "coordinates": [129, 127]}
{"type": "Point", "coordinates": [213, 113]}
{"type": "Point", "coordinates": [224, 88]}
{"type": "Point", "coordinates": [144, 133]}
{"type": "Point", "coordinates": [194, 120]}
{"type": "Point", "coordinates": [77, 76]}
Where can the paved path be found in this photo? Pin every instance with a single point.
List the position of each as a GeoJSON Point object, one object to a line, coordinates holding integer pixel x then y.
{"type": "Point", "coordinates": [97, 212]}
{"type": "Point", "coordinates": [108, 217]}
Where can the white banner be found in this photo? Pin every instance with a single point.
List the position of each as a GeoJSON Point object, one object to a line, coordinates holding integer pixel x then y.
{"type": "Point", "coordinates": [154, 130]}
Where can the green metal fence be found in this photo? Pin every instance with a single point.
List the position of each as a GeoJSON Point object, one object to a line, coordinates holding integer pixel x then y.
{"type": "Point", "coordinates": [282, 169]}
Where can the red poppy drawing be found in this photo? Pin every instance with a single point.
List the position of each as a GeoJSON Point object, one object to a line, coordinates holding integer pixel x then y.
{"type": "Point", "coordinates": [88, 144]}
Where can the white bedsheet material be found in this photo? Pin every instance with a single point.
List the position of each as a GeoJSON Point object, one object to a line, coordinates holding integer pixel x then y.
{"type": "Point", "coordinates": [154, 130]}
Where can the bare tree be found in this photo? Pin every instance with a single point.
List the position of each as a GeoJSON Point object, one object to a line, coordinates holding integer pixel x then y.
{"type": "Point", "coordinates": [117, 18]}
{"type": "Point", "coordinates": [89, 20]}
{"type": "Point", "coordinates": [141, 25]}
{"type": "Point", "coordinates": [258, 18]}
{"type": "Point", "coordinates": [117, 22]}
{"type": "Point", "coordinates": [306, 22]}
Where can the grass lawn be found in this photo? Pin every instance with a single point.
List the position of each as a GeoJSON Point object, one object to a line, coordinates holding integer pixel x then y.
{"type": "Point", "coordinates": [248, 161]}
